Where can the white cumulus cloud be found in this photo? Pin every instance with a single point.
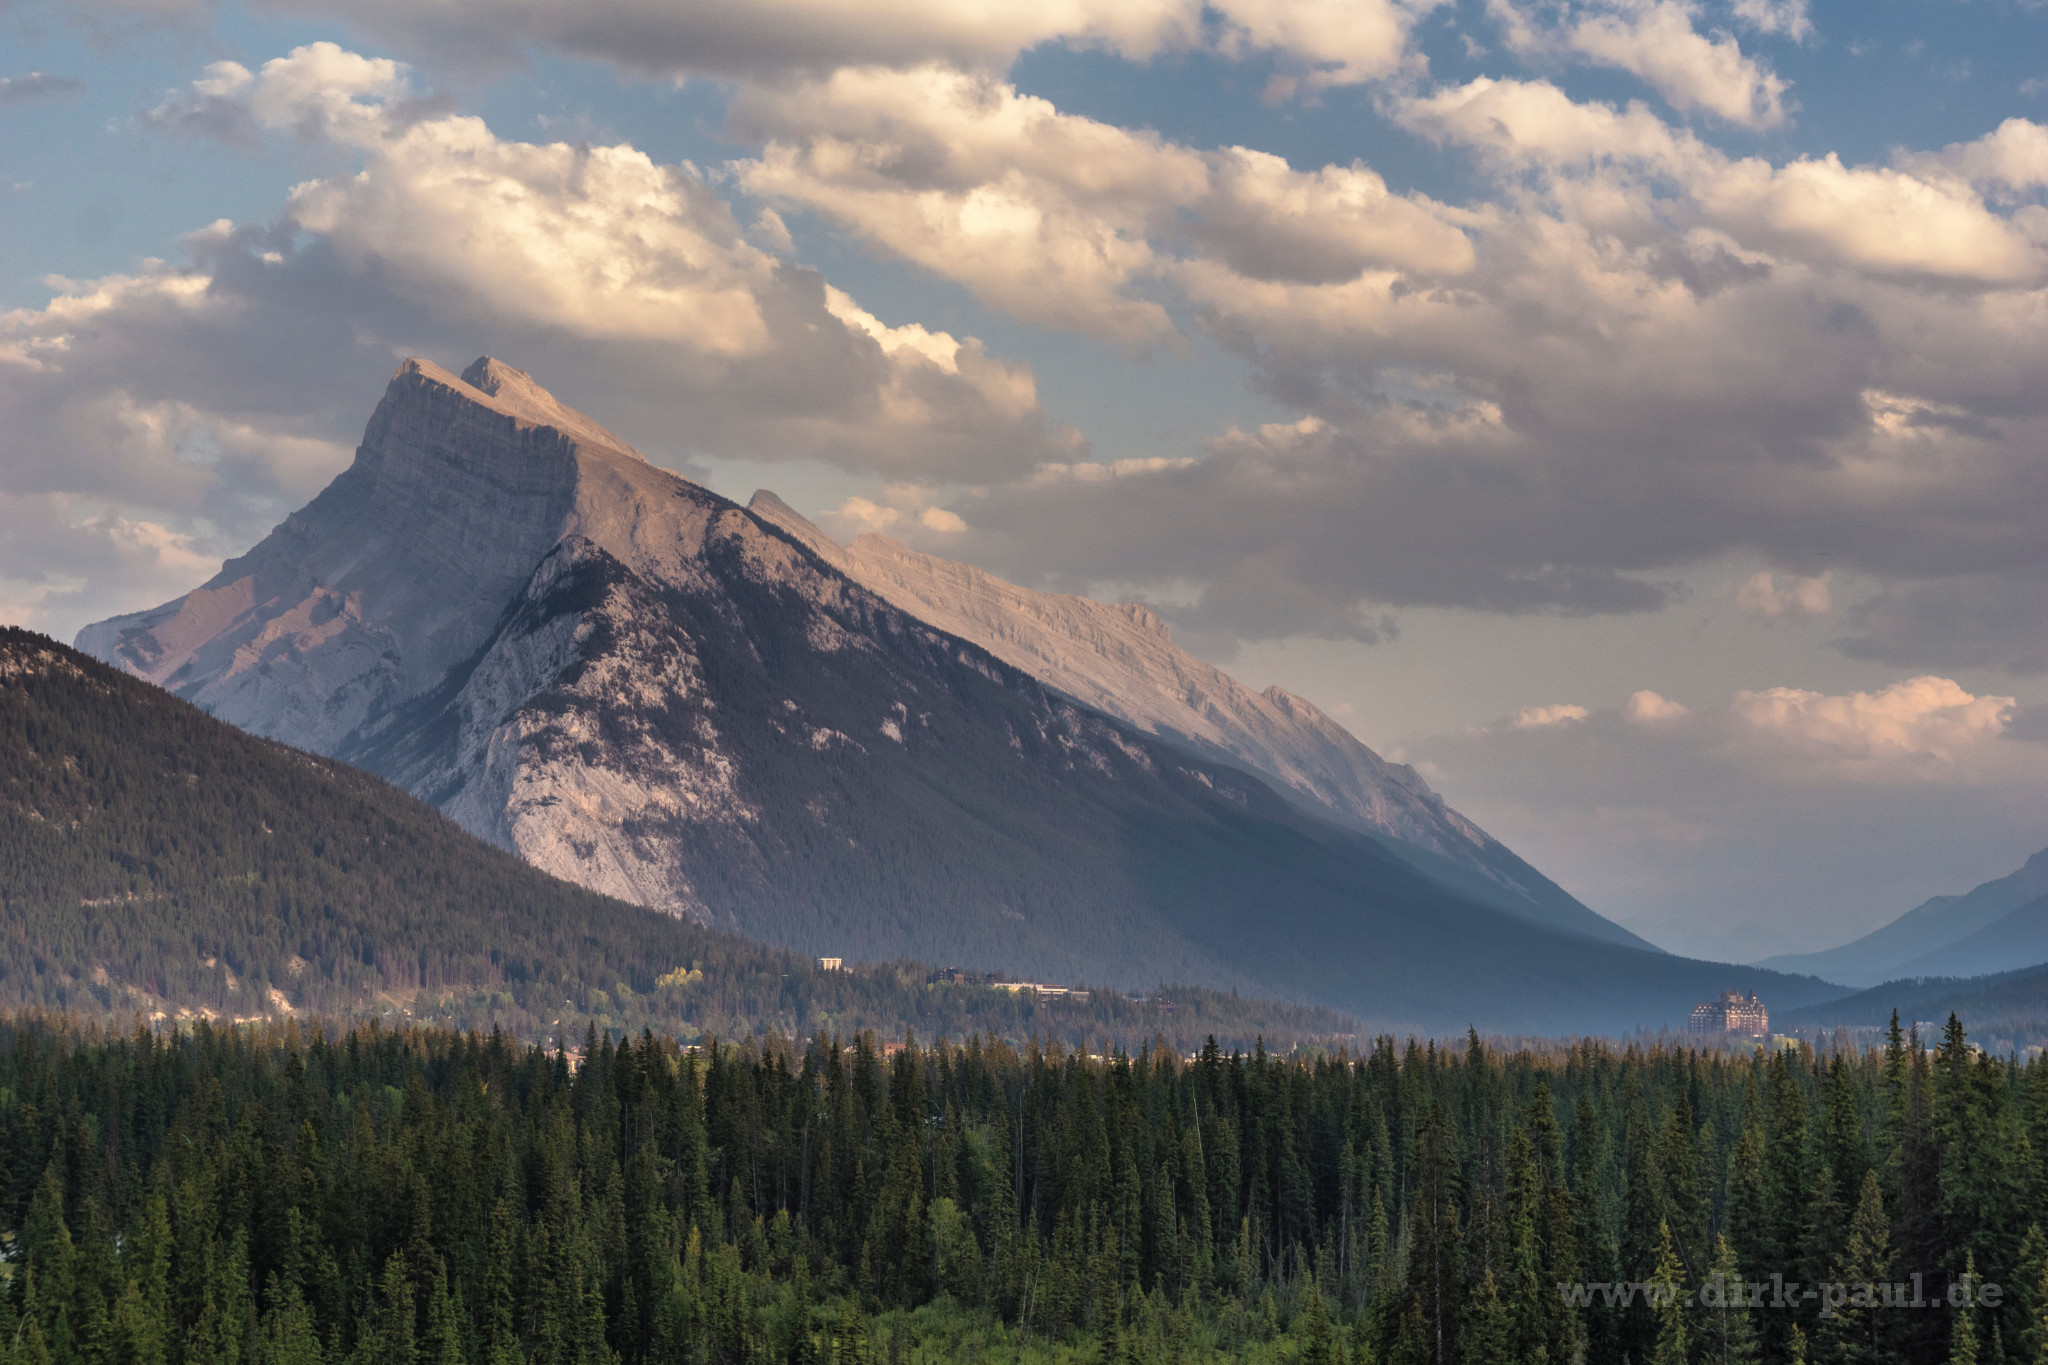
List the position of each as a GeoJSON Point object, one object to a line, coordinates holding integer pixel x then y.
{"type": "Point", "coordinates": [1795, 598]}
{"type": "Point", "coordinates": [1648, 707]}
{"type": "Point", "coordinates": [1537, 717]}
{"type": "Point", "coordinates": [1656, 41]}
{"type": "Point", "coordinates": [208, 395]}
{"type": "Point", "coordinates": [1924, 717]}
{"type": "Point", "coordinates": [1065, 220]}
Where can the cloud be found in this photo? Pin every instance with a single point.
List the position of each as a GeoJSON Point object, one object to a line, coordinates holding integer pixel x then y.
{"type": "Point", "coordinates": [36, 85]}
{"type": "Point", "coordinates": [1648, 708]}
{"type": "Point", "coordinates": [1983, 620]}
{"type": "Point", "coordinates": [211, 394]}
{"type": "Point", "coordinates": [1336, 42]}
{"type": "Point", "coordinates": [1320, 43]}
{"type": "Point", "coordinates": [1798, 598]}
{"type": "Point", "coordinates": [2012, 158]}
{"type": "Point", "coordinates": [1655, 41]}
{"type": "Point", "coordinates": [1536, 717]}
{"type": "Point", "coordinates": [1881, 220]}
{"type": "Point", "coordinates": [1064, 220]}
{"type": "Point", "coordinates": [1267, 221]}
{"type": "Point", "coordinates": [656, 37]}
{"type": "Point", "coordinates": [858, 516]}
{"type": "Point", "coordinates": [1660, 355]}
{"type": "Point", "coordinates": [1787, 17]}
{"type": "Point", "coordinates": [1635, 354]}
{"type": "Point", "coordinates": [1768, 821]}
{"type": "Point", "coordinates": [1041, 214]}
{"type": "Point", "coordinates": [1919, 718]}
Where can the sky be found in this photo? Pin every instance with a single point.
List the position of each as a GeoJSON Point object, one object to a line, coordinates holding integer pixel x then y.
{"type": "Point", "coordinates": [1634, 413]}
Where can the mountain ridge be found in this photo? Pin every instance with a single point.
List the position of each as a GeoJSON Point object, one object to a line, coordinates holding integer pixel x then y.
{"type": "Point", "coordinates": [681, 703]}
{"type": "Point", "coordinates": [1913, 944]}
{"type": "Point", "coordinates": [1120, 659]}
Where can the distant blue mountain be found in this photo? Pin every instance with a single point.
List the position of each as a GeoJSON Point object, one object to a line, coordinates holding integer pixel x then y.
{"type": "Point", "coordinates": [1965, 935]}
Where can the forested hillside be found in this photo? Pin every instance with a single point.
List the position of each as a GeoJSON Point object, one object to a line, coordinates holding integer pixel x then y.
{"type": "Point", "coordinates": [429, 1196]}
{"type": "Point", "coordinates": [154, 859]}
{"type": "Point", "coordinates": [2007, 1011]}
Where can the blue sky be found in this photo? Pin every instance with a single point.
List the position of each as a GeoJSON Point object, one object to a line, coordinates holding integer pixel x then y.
{"type": "Point", "coordinates": [1631, 411]}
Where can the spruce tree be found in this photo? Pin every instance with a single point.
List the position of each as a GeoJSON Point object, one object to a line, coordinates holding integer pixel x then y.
{"type": "Point", "coordinates": [1670, 1294]}
{"type": "Point", "coordinates": [1962, 1342]}
{"type": "Point", "coordinates": [1727, 1326]}
{"type": "Point", "coordinates": [1857, 1332]}
{"type": "Point", "coordinates": [1486, 1329]}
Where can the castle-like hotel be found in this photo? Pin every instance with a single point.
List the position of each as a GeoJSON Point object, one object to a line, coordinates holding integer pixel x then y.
{"type": "Point", "coordinates": [1732, 1013]}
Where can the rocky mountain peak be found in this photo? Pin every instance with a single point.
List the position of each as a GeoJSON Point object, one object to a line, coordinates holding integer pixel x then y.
{"type": "Point", "coordinates": [1145, 619]}
{"type": "Point", "coordinates": [515, 393]}
{"type": "Point", "coordinates": [637, 685]}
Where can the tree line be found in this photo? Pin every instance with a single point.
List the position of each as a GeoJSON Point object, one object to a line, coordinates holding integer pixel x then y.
{"type": "Point", "coordinates": [154, 859]}
{"type": "Point", "coordinates": [431, 1196]}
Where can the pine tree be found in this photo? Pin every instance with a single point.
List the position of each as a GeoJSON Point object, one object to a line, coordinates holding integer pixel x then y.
{"type": "Point", "coordinates": [1668, 1285]}
{"type": "Point", "coordinates": [2037, 1352]}
{"type": "Point", "coordinates": [444, 1330]}
{"type": "Point", "coordinates": [1962, 1342]}
{"type": "Point", "coordinates": [849, 1335]}
{"type": "Point", "coordinates": [1411, 1341]}
{"type": "Point", "coordinates": [2025, 1299]}
{"type": "Point", "coordinates": [1318, 1338]}
{"type": "Point", "coordinates": [1727, 1331]}
{"type": "Point", "coordinates": [288, 1336]}
{"type": "Point", "coordinates": [1856, 1332]}
{"type": "Point", "coordinates": [1486, 1328]}
{"type": "Point", "coordinates": [1434, 1216]}
{"type": "Point", "coordinates": [391, 1337]}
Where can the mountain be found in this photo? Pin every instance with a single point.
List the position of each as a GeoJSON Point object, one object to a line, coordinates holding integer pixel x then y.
{"type": "Point", "coordinates": [2018, 938]}
{"type": "Point", "coordinates": [2005, 1011]}
{"type": "Point", "coordinates": [156, 860]}
{"type": "Point", "coordinates": [1912, 944]}
{"type": "Point", "coordinates": [1120, 659]}
{"type": "Point", "coordinates": [678, 702]}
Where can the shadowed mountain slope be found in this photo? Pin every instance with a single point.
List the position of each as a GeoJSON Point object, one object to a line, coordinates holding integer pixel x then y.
{"type": "Point", "coordinates": [1121, 660]}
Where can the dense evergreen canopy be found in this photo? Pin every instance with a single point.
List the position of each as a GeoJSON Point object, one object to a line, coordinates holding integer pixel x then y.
{"type": "Point", "coordinates": [427, 1195]}
{"type": "Point", "coordinates": [153, 860]}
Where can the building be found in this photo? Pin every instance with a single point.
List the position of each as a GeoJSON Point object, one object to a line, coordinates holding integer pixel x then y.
{"type": "Point", "coordinates": [1039, 988]}
{"type": "Point", "coordinates": [831, 964]}
{"type": "Point", "coordinates": [1734, 1013]}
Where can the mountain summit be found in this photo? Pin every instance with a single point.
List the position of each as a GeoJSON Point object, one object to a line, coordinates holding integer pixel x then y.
{"type": "Point", "coordinates": [644, 688]}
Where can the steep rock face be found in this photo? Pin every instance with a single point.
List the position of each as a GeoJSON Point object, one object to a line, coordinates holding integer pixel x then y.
{"type": "Point", "coordinates": [649, 690]}
{"type": "Point", "coordinates": [392, 575]}
{"type": "Point", "coordinates": [1121, 660]}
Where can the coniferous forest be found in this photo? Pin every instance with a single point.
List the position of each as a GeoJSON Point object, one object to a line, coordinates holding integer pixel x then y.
{"type": "Point", "coordinates": [154, 860]}
{"type": "Point", "coordinates": [264, 1194]}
